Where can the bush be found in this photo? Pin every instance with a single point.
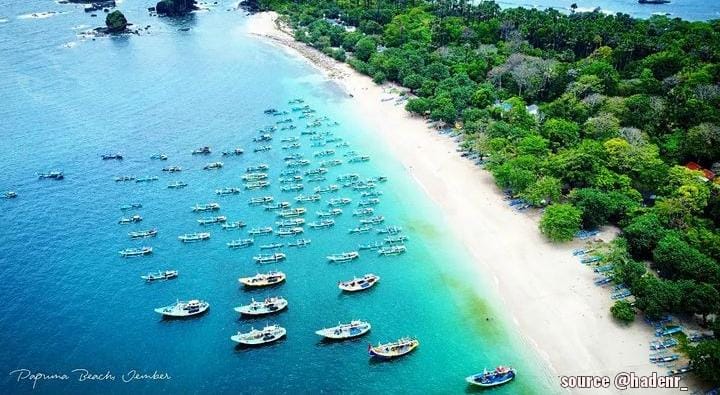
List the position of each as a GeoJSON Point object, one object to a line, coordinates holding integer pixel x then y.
{"type": "Point", "coordinates": [623, 312]}
{"type": "Point", "coordinates": [560, 222]}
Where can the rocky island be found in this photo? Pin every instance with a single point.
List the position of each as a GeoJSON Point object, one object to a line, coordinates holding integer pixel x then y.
{"type": "Point", "coordinates": [175, 7]}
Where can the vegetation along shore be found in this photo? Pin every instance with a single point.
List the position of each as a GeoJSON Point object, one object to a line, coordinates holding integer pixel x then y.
{"type": "Point", "coordinates": [594, 120]}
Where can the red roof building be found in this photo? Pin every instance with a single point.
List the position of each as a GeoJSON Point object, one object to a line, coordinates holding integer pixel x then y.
{"type": "Point", "coordinates": [694, 166]}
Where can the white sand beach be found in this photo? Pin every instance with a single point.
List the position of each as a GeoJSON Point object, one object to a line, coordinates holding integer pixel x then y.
{"type": "Point", "coordinates": [547, 293]}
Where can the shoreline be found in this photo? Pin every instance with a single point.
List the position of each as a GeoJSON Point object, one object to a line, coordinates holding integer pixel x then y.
{"type": "Point", "coordinates": [546, 294]}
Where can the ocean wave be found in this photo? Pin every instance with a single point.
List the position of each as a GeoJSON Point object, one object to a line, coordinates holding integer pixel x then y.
{"type": "Point", "coordinates": [39, 15]}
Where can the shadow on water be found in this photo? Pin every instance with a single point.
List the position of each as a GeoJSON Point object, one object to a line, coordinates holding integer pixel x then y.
{"type": "Point", "coordinates": [243, 348]}
{"type": "Point", "coordinates": [386, 361]}
{"type": "Point", "coordinates": [181, 23]}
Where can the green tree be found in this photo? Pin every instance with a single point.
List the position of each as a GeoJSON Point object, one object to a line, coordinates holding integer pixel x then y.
{"type": "Point", "coordinates": [705, 360]}
{"type": "Point", "coordinates": [623, 312]}
{"type": "Point", "coordinates": [544, 191]}
{"type": "Point", "coordinates": [560, 222]}
{"type": "Point", "coordinates": [561, 133]}
{"type": "Point", "coordinates": [643, 233]}
{"type": "Point", "coordinates": [364, 48]}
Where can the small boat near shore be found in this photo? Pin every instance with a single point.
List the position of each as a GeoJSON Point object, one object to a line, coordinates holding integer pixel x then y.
{"type": "Point", "coordinates": [350, 330]}
{"type": "Point", "coordinates": [233, 225]}
{"type": "Point", "coordinates": [330, 213]}
{"type": "Point", "coordinates": [264, 230]}
{"type": "Point", "coordinates": [135, 252]}
{"type": "Point", "coordinates": [202, 151]}
{"type": "Point", "coordinates": [213, 166]}
{"type": "Point", "coordinates": [261, 200]}
{"type": "Point", "coordinates": [499, 376]}
{"type": "Point", "coordinates": [160, 275]}
{"type": "Point", "coordinates": [363, 212]}
{"type": "Point", "coordinates": [394, 349]}
{"type": "Point", "coordinates": [376, 220]}
{"type": "Point", "coordinates": [193, 237]}
{"type": "Point", "coordinates": [240, 243]}
{"type": "Point", "coordinates": [258, 337]}
{"type": "Point", "coordinates": [268, 306]}
{"type": "Point", "coordinates": [227, 191]}
{"type": "Point", "coordinates": [143, 234]}
{"type": "Point", "coordinates": [369, 202]}
{"type": "Point", "coordinates": [177, 185]}
{"type": "Point", "coordinates": [300, 243]}
{"type": "Point", "coordinates": [371, 246]}
{"type": "Point", "coordinates": [206, 207]}
{"type": "Point", "coordinates": [359, 284]}
{"type": "Point", "coordinates": [262, 279]}
{"type": "Point", "coordinates": [391, 230]}
{"type": "Point", "coordinates": [360, 229]}
{"type": "Point", "coordinates": [392, 250]}
{"type": "Point", "coordinates": [269, 258]}
{"type": "Point", "coordinates": [212, 220]}
{"type": "Point", "coordinates": [292, 213]}
{"type": "Point", "coordinates": [343, 257]}
{"type": "Point", "coordinates": [322, 224]}
{"type": "Point", "coordinates": [182, 309]}
{"type": "Point", "coordinates": [147, 179]}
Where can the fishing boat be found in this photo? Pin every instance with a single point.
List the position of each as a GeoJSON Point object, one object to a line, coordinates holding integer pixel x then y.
{"type": "Point", "coordinates": [371, 246]}
{"type": "Point", "coordinates": [213, 166]}
{"type": "Point", "coordinates": [235, 152]}
{"type": "Point", "coordinates": [378, 219]}
{"type": "Point", "coordinates": [258, 337]}
{"type": "Point", "coordinates": [206, 207]}
{"type": "Point", "coordinates": [286, 120]}
{"type": "Point", "coordinates": [269, 258]}
{"type": "Point", "coordinates": [330, 213]}
{"type": "Point", "coordinates": [262, 148]}
{"type": "Point", "coordinates": [256, 176]}
{"type": "Point", "coordinates": [292, 188]}
{"type": "Point", "coordinates": [394, 349]}
{"type": "Point", "coordinates": [177, 185]}
{"type": "Point", "coordinates": [368, 202]}
{"type": "Point", "coordinates": [158, 157]}
{"type": "Point", "coordinates": [227, 191]}
{"type": "Point", "coordinates": [262, 137]}
{"type": "Point", "coordinates": [133, 252]}
{"type": "Point", "coordinates": [261, 200]}
{"type": "Point", "coordinates": [371, 194]}
{"type": "Point", "coordinates": [201, 151]}
{"type": "Point", "coordinates": [664, 344]}
{"type": "Point", "coordinates": [271, 246]}
{"type": "Point", "coordinates": [277, 206]}
{"type": "Point", "coordinates": [500, 375]}
{"type": "Point", "coordinates": [297, 163]}
{"type": "Point", "coordinates": [359, 158]}
{"type": "Point", "coordinates": [344, 144]}
{"type": "Point", "coordinates": [181, 309]}
{"type": "Point", "coordinates": [9, 195]}
{"type": "Point", "coordinates": [377, 179]}
{"type": "Point", "coordinates": [256, 185]}
{"type": "Point", "coordinates": [270, 111]}
{"type": "Point", "coordinates": [291, 222]}
{"type": "Point", "coordinates": [116, 178]}
{"type": "Point", "coordinates": [291, 146]}
{"type": "Point", "coordinates": [359, 284]}
{"type": "Point", "coordinates": [193, 237]}
{"type": "Point", "coordinates": [653, 1]}
{"type": "Point", "coordinates": [129, 220]}
{"type": "Point", "coordinates": [116, 156]}
{"type": "Point", "coordinates": [339, 202]}
{"type": "Point", "coordinates": [291, 213]}
{"type": "Point", "coordinates": [263, 279]}
{"type": "Point", "coordinates": [147, 179]}
{"type": "Point", "coordinates": [348, 177]}
{"type": "Point", "coordinates": [327, 189]}
{"type": "Point", "coordinates": [53, 175]}
{"type": "Point", "coordinates": [233, 225]}
{"type": "Point", "coordinates": [307, 198]}
{"type": "Point", "coordinates": [290, 180]}
{"type": "Point", "coordinates": [331, 163]}
{"type": "Point", "coordinates": [360, 229]}
{"type": "Point", "coordinates": [212, 220]}
{"type": "Point", "coordinates": [352, 329]}
{"type": "Point", "coordinates": [363, 212]}
{"type": "Point", "coordinates": [143, 234]}
{"type": "Point", "coordinates": [321, 224]}
{"type": "Point", "coordinates": [267, 306]}
{"type": "Point", "coordinates": [264, 230]}
{"type": "Point", "coordinates": [392, 230]}
{"type": "Point", "coordinates": [300, 243]}
{"type": "Point", "coordinates": [343, 257]}
{"type": "Point", "coordinates": [297, 100]}
{"type": "Point", "coordinates": [395, 239]}
{"type": "Point", "coordinates": [241, 243]}
{"type": "Point", "coordinates": [289, 139]}
{"type": "Point", "coordinates": [130, 206]}
{"type": "Point", "coordinates": [172, 169]}
{"type": "Point", "coordinates": [289, 231]}
{"type": "Point", "coordinates": [362, 185]}
{"type": "Point", "coordinates": [316, 178]}
{"type": "Point", "coordinates": [392, 250]}
{"type": "Point", "coordinates": [316, 172]}
{"type": "Point", "coordinates": [257, 168]}
{"type": "Point", "coordinates": [161, 275]}
{"type": "Point", "coordinates": [323, 154]}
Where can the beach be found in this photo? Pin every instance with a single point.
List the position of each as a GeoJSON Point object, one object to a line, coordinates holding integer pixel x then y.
{"type": "Point", "coordinates": [542, 288]}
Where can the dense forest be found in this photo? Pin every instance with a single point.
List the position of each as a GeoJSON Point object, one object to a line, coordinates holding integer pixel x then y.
{"type": "Point", "coordinates": [624, 105]}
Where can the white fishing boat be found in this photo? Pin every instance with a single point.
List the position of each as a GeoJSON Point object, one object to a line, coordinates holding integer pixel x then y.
{"type": "Point", "coordinates": [290, 222]}
{"type": "Point", "coordinates": [177, 185]}
{"type": "Point", "coordinates": [359, 284]}
{"type": "Point", "coordinates": [267, 306]}
{"type": "Point", "coordinates": [212, 220]}
{"type": "Point", "coordinates": [330, 213]}
{"type": "Point", "coordinates": [378, 219]}
{"type": "Point", "coordinates": [257, 176]}
{"type": "Point", "coordinates": [269, 258]}
{"type": "Point", "coordinates": [339, 202]}
{"type": "Point", "coordinates": [300, 243]}
{"type": "Point", "coordinates": [263, 279]}
{"type": "Point", "coordinates": [369, 202]}
{"type": "Point", "coordinates": [129, 220]}
{"type": "Point", "coordinates": [213, 166]}
{"type": "Point", "coordinates": [392, 250]}
{"type": "Point", "coordinates": [160, 275]}
{"type": "Point", "coordinates": [271, 246]}
{"type": "Point", "coordinates": [193, 237]}
{"type": "Point", "coordinates": [143, 234]}
{"type": "Point", "coordinates": [327, 189]}
{"type": "Point", "coordinates": [233, 225]}
{"type": "Point", "coordinates": [343, 257]}
{"type": "Point", "coordinates": [363, 212]}
{"type": "Point", "coordinates": [276, 206]}
{"type": "Point", "coordinates": [136, 252]}
{"type": "Point", "coordinates": [265, 230]}
{"type": "Point", "coordinates": [256, 185]}
{"type": "Point", "coordinates": [289, 231]}
{"type": "Point", "coordinates": [307, 198]}
{"type": "Point", "coordinates": [360, 229]}
{"type": "Point", "coordinates": [184, 309]}
{"type": "Point", "coordinates": [241, 243]}
{"type": "Point", "coordinates": [206, 207]}
{"type": "Point", "coordinates": [257, 168]}
{"type": "Point", "coordinates": [261, 200]}
{"type": "Point", "coordinates": [322, 224]}
{"type": "Point", "coordinates": [228, 191]}
{"type": "Point", "coordinates": [291, 213]}
{"type": "Point", "coordinates": [350, 330]}
{"type": "Point", "coordinates": [258, 337]}
{"type": "Point", "coordinates": [394, 349]}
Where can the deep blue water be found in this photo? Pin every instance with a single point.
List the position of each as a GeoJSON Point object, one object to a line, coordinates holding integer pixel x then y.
{"type": "Point", "coordinates": [70, 302]}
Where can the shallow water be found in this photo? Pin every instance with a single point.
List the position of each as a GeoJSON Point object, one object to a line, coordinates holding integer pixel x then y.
{"type": "Point", "coordinates": [70, 302]}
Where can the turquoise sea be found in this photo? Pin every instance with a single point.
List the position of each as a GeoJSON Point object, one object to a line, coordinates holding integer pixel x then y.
{"type": "Point", "coordinates": [694, 10]}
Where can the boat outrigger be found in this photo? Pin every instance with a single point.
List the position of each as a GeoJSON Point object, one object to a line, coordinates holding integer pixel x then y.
{"type": "Point", "coordinates": [394, 349]}
{"type": "Point", "coordinates": [262, 279]}
{"type": "Point", "coordinates": [359, 284]}
{"type": "Point", "coordinates": [258, 337]}
{"type": "Point", "coordinates": [352, 329]}
{"type": "Point", "coordinates": [500, 375]}
{"type": "Point", "coordinates": [184, 309]}
{"type": "Point", "coordinates": [267, 306]}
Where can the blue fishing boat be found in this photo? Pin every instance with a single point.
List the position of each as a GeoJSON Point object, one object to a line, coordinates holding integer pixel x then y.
{"type": "Point", "coordinates": [499, 376]}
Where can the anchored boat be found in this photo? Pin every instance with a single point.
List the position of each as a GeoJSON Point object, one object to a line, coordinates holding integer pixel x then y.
{"type": "Point", "coordinates": [343, 257]}
{"type": "Point", "coordinates": [134, 252]}
{"type": "Point", "coordinates": [355, 328]}
{"type": "Point", "coordinates": [184, 309]}
{"type": "Point", "coordinates": [394, 349]}
{"type": "Point", "coordinates": [206, 207]}
{"type": "Point", "coordinates": [193, 237]}
{"type": "Point", "coordinates": [241, 243]}
{"type": "Point", "coordinates": [300, 243]}
{"type": "Point", "coordinates": [257, 337]}
{"type": "Point", "coordinates": [233, 225]}
{"type": "Point", "coordinates": [321, 224]}
{"type": "Point", "coordinates": [359, 284]}
{"type": "Point", "coordinates": [267, 306]}
{"type": "Point", "coordinates": [143, 234]}
{"type": "Point", "coordinates": [269, 258]}
{"type": "Point", "coordinates": [499, 376]}
{"type": "Point", "coordinates": [161, 275]}
{"type": "Point", "coordinates": [129, 220]}
{"type": "Point", "coordinates": [263, 279]}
